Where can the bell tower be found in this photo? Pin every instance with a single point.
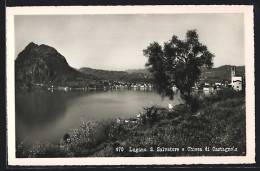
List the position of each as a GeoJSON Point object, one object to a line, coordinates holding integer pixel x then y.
{"type": "Point", "coordinates": [233, 71]}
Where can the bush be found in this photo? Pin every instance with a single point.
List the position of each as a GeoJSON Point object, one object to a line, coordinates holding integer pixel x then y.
{"type": "Point", "coordinates": [227, 93]}
{"type": "Point", "coordinates": [43, 150]}
{"type": "Point", "coordinates": [153, 114]}
{"type": "Point", "coordinates": [179, 110]}
{"type": "Point", "coordinates": [221, 95]}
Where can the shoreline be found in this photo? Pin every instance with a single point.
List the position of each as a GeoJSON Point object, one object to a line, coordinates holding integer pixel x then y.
{"type": "Point", "coordinates": [215, 124]}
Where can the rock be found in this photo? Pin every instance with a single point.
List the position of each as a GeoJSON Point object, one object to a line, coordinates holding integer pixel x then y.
{"type": "Point", "coordinates": [42, 64]}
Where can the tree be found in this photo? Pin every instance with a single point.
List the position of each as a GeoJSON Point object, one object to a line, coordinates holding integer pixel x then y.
{"type": "Point", "coordinates": [178, 63]}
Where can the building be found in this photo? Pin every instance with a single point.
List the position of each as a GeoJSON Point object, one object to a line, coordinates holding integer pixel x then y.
{"type": "Point", "coordinates": [236, 81]}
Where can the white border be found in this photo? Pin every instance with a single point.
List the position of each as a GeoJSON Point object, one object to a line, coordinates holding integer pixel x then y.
{"type": "Point", "coordinates": [249, 69]}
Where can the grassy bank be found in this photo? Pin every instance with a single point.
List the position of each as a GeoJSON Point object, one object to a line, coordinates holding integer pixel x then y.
{"type": "Point", "coordinates": [217, 128]}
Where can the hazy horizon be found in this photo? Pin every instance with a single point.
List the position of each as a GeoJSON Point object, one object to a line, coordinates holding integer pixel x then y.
{"type": "Point", "coordinates": [116, 41]}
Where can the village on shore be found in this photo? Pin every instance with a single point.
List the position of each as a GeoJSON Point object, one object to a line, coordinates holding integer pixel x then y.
{"type": "Point", "coordinates": [237, 83]}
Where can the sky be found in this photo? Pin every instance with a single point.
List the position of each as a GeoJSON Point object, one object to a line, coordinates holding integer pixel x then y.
{"type": "Point", "coordinates": [117, 41]}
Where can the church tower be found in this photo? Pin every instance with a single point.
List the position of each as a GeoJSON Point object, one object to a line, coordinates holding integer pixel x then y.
{"type": "Point", "coordinates": [236, 81]}
{"type": "Point", "coordinates": [233, 71]}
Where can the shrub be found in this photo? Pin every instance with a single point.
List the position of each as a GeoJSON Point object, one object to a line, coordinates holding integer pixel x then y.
{"type": "Point", "coordinates": [153, 114]}
{"type": "Point", "coordinates": [227, 93]}
{"type": "Point", "coordinates": [43, 150]}
{"type": "Point", "coordinates": [221, 95]}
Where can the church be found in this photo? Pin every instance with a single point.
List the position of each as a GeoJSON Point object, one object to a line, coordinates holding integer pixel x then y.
{"type": "Point", "coordinates": [236, 81]}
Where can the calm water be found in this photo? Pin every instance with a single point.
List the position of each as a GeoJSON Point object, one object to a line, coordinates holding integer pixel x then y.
{"type": "Point", "coordinates": [47, 116]}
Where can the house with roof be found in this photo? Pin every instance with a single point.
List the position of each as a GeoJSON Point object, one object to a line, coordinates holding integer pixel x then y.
{"type": "Point", "coordinates": [236, 81]}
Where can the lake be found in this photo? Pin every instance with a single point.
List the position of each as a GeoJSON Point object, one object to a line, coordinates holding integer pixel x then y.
{"type": "Point", "coordinates": [43, 115]}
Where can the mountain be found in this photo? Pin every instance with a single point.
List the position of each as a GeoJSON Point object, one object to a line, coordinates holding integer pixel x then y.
{"type": "Point", "coordinates": [42, 64]}
{"type": "Point", "coordinates": [144, 71]}
{"type": "Point", "coordinates": [118, 75]}
{"type": "Point", "coordinates": [220, 74]}
{"type": "Point", "coordinates": [104, 74]}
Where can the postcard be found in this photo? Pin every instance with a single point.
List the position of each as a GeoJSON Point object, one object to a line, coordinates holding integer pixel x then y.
{"type": "Point", "coordinates": [130, 85]}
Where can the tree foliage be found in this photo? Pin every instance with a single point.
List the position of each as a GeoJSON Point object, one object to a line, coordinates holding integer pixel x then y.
{"type": "Point", "coordinates": [178, 63]}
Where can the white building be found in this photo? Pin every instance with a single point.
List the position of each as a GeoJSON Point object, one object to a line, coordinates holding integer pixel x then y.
{"type": "Point", "coordinates": [236, 81]}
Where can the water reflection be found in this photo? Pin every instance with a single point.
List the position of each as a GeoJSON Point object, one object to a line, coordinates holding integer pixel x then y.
{"type": "Point", "coordinates": [38, 111]}
{"type": "Point", "coordinates": [39, 107]}
{"type": "Point", "coordinates": [47, 116]}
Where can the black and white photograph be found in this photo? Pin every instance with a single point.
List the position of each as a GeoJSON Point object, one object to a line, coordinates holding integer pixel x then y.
{"type": "Point", "coordinates": [130, 85]}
